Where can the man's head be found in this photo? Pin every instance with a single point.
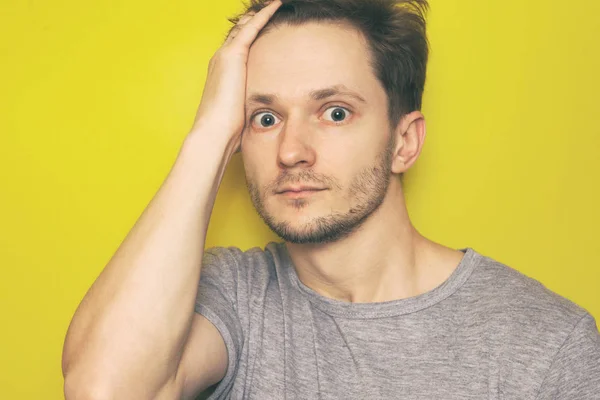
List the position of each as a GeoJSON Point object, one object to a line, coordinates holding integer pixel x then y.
{"type": "Point", "coordinates": [333, 93]}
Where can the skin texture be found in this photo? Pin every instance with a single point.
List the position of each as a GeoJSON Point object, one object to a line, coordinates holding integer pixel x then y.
{"type": "Point", "coordinates": [351, 240]}
{"type": "Point", "coordinates": [304, 139]}
{"type": "Point", "coordinates": [363, 195]}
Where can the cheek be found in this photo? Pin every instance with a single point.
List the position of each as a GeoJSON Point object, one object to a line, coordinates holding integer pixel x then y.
{"type": "Point", "coordinates": [344, 157]}
{"type": "Point", "coordinates": [250, 169]}
{"type": "Point", "coordinates": [256, 166]}
{"type": "Point", "coordinates": [251, 152]}
{"type": "Point", "coordinates": [259, 152]}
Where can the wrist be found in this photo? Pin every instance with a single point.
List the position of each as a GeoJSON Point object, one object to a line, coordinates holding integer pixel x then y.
{"type": "Point", "coordinates": [208, 137]}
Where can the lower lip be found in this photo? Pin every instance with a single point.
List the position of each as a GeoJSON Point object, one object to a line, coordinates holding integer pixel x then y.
{"type": "Point", "coordinates": [301, 194]}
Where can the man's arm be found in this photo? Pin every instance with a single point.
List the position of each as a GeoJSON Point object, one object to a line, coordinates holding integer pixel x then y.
{"type": "Point", "coordinates": [135, 334]}
{"type": "Point", "coordinates": [575, 370]}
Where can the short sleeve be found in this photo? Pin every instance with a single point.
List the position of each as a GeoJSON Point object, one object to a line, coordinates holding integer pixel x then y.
{"type": "Point", "coordinates": [575, 370]}
{"type": "Point", "coordinates": [217, 302]}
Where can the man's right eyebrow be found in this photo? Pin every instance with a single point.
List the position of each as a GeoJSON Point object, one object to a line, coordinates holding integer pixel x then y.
{"type": "Point", "coordinates": [264, 99]}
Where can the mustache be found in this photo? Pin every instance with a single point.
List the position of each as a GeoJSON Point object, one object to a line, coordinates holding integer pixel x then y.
{"type": "Point", "coordinates": [305, 177]}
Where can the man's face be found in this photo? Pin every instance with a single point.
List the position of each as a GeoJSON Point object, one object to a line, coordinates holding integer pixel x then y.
{"type": "Point", "coordinates": [316, 120]}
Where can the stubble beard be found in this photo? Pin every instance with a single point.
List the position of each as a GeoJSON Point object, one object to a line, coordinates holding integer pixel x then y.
{"type": "Point", "coordinates": [367, 192]}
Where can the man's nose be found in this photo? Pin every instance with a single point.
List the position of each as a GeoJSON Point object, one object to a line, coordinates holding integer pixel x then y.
{"type": "Point", "coordinates": [295, 144]}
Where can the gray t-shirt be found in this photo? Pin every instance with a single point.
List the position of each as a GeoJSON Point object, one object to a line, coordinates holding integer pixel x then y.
{"type": "Point", "coordinates": [487, 332]}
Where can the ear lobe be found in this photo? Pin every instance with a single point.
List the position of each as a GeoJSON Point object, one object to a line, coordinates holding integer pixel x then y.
{"type": "Point", "coordinates": [410, 136]}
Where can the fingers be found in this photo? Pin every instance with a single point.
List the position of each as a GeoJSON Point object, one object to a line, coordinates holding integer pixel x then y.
{"type": "Point", "coordinates": [238, 26]}
{"type": "Point", "coordinates": [250, 25]}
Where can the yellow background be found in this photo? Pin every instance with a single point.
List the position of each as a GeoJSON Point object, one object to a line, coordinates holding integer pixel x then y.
{"type": "Point", "coordinates": [96, 97]}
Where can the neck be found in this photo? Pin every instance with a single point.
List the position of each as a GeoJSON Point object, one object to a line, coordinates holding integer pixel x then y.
{"type": "Point", "coordinates": [385, 259]}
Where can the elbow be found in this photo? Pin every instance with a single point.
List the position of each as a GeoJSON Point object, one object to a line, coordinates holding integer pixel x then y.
{"type": "Point", "coordinates": [76, 389]}
{"type": "Point", "coordinates": [82, 383]}
{"type": "Point", "coordinates": [78, 386]}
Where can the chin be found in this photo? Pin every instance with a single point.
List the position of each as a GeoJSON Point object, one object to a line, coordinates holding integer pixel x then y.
{"type": "Point", "coordinates": [309, 229]}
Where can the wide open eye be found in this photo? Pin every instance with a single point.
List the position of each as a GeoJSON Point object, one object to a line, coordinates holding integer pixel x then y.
{"type": "Point", "coordinates": [336, 114]}
{"type": "Point", "coordinates": [265, 119]}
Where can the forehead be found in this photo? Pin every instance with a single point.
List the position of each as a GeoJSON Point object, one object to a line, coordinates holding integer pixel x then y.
{"type": "Point", "coordinates": [293, 61]}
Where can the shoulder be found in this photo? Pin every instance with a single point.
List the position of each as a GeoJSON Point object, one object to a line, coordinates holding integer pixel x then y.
{"type": "Point", "coordinates": [529, 325]}
{"type": "Point", "coordinates": [575, 369]}
{"type": "Point", "coordinates": [507, 290]}
{"type": "Point", "coordinates": [525, 315]}
{"type": "Point", "coordinates": [522, 311]}
{"type": "Point", "coordinates": [242, 268]}
{"type": "Point", "coordinates": [242, 260]}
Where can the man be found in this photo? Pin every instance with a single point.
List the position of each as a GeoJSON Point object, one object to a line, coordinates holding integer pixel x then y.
{"type": "Point", "coordinates": [355, 303]}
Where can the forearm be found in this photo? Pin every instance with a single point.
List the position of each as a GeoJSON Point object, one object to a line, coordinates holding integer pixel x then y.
{"type": "Point", "coordinates": [131, 327]}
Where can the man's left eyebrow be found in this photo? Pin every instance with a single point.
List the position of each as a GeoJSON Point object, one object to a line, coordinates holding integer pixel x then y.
{"type": "Point", "coordinates": [322, 94]}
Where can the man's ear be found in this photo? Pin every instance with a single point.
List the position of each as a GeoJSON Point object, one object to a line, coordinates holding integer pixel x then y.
{"type": "Point", "coordinates": [410, 136]}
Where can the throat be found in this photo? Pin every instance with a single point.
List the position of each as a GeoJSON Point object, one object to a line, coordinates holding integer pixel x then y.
{"type": "Point", "coordinates": [395, 277]}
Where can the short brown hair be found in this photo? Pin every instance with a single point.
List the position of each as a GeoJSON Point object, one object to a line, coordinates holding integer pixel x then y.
{"type": "Point", "coordinates": [395, 31]}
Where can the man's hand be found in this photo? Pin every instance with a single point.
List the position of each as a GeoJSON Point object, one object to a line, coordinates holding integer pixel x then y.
{"type": "Point", "coordinates": [222, 105]}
